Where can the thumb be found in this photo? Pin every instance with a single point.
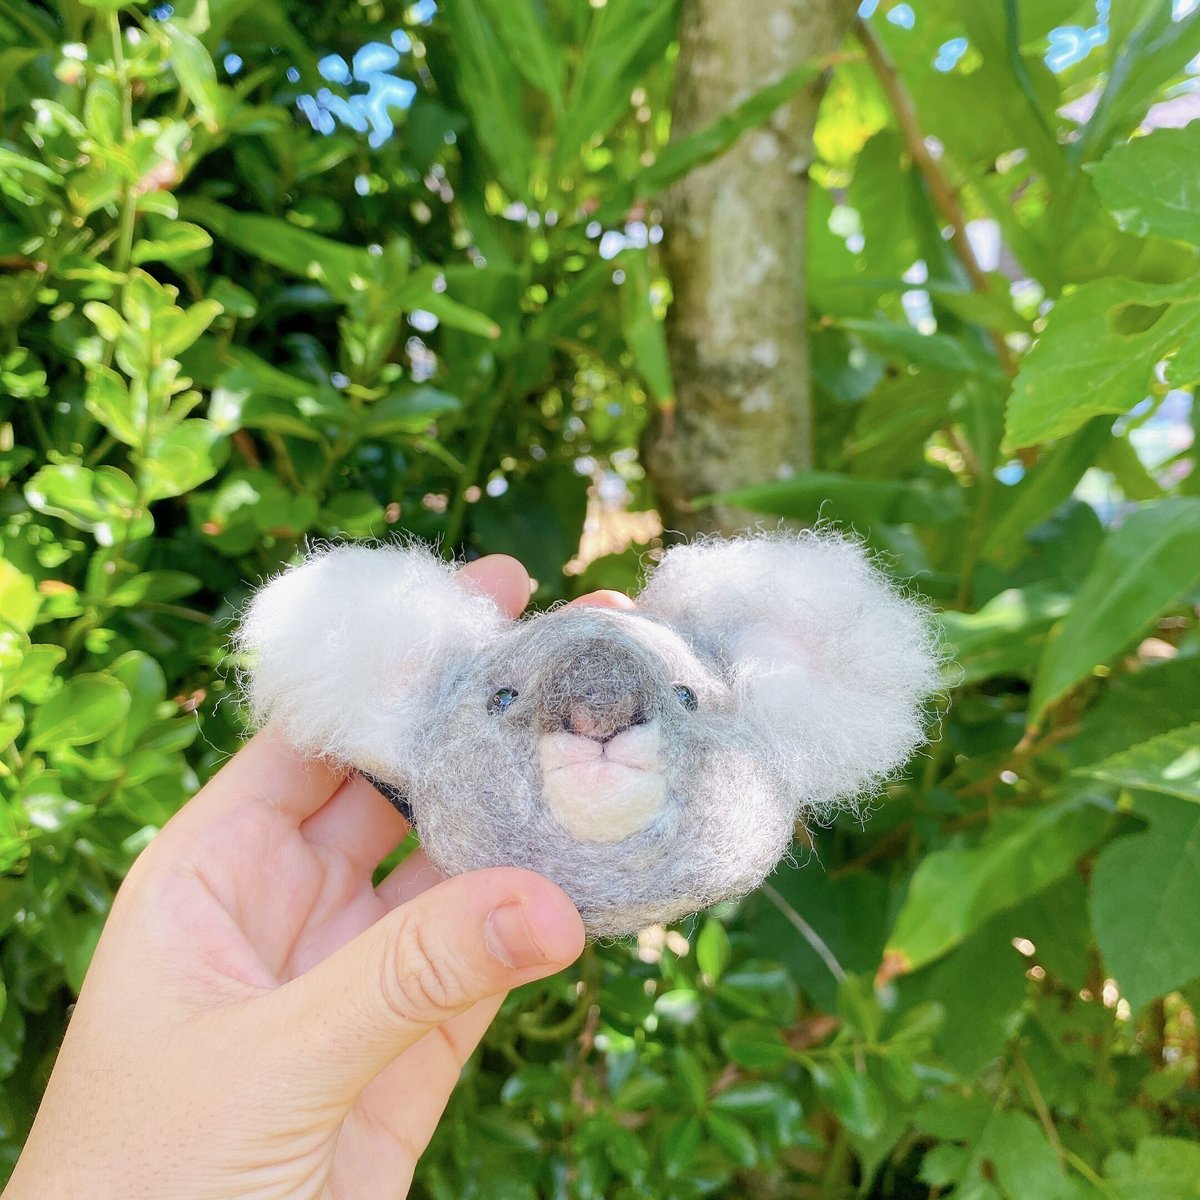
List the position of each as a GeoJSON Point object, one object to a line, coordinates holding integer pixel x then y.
{"type": "Point", "coordinates": [472, 936]}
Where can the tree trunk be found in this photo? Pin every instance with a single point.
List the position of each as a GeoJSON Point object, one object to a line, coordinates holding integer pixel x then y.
{"type": "Point", "coordinates": [735, 252]}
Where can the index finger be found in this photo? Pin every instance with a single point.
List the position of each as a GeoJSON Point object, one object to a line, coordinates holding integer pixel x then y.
{"type": "Point", "coordinates": [265, 772]}
{"type": "Point", "coordinates": [606, 598]}
{"type": "Point", "coordinates": [502, 577]}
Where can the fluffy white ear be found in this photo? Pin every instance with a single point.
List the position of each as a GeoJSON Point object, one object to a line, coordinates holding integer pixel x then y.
{"type": "Point", "coordinates": [344, 653]}
{"type": "Point", "coordinates": [830, 661]}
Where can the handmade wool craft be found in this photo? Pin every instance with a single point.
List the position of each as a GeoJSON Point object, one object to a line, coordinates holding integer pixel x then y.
{"type": "Point", "coordinates": [650, 761]}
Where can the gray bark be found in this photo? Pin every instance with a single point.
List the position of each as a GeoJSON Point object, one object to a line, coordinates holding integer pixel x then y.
{"type": "Point", "coordinates": [735, 250]}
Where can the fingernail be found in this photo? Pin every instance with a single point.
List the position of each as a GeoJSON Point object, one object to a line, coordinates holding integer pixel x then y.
{"type": "Point", "coordinates": [510, 939]}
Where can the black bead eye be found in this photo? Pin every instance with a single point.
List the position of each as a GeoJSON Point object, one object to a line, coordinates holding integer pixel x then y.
{"type": "Point", "coordinates": [685, 696]}
{"type": "Point", "coordinates": [502, 699]}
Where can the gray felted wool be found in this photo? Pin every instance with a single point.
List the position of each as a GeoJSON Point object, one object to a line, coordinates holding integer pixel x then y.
{"type": "Point", "coordinates": [651, 762]}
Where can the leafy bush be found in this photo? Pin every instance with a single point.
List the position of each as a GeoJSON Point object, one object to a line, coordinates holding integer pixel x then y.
{"type": "Point", "coordinates": [225, 332]}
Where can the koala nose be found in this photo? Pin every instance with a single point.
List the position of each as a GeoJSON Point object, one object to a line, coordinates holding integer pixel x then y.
{"type": "Point", "coordinates": [585, 722]}
{"type": "Point", "coordinates": [597, 691]}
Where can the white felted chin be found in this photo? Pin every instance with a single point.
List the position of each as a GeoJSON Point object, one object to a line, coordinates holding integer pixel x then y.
{"type": "Point", "coordinates": [603, 792]}
{"type": "Point", "coordinates": [345, 651]}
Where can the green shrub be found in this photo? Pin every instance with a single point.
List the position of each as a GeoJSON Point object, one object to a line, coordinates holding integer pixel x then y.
{"type": "Point", "coordinates": [224, 333]}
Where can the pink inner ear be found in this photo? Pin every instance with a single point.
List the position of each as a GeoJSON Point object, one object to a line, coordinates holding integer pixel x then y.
{"type": "Point", "coordinates": [775, 649]}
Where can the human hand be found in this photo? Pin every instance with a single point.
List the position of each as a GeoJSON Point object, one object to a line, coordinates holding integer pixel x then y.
{"type": "Point", "coordinates": [258, 1019]}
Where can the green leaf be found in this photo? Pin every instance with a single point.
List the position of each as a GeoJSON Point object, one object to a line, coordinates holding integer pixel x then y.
{"type": "Point", "coordinates": [713, 951]}
{"type": "Point", "coordinates": [1157, 50]}
{"type": "Point", "coordinates": [643, 329]}
{"type": "Point", "coordinates": [940, 351]}
{"type": "Point", "coordinates": [12, 60]}
{"type": "Point", "coordinates": [988, 310]}
{"type": "Point", "coordinates": [1015, 1152]}
{"type": "Point", "coordinates": [760, 989]}
{"type": "Point", "coordinates": [690, 1074]}
{"type": "Point", "coordinates": [1005, 636]}
{"type": "Point", "coordinates": [625, 37]}
{"type": "Point", "coordinates": [25, 179]}
{"type": "Point", "coordinates": [249, 372]}
{"type": "Point", "coordinates": [530, 46]}
{"type": "Point", "coordinates": [19, 599]}
{"type": "Point", "coordinates": [234, 300]}
{"type": "Point", "coordinates": [489, 83]}
{"type": "Point", "coordinates": [755, 1045]}
{"type": "Point", "coordinates": [425, 288]}
{"type": "Point", "coordinates": [890, 246]}
{"type": "Point", "coordinates": [1044, 488]}
{"type": "Point", "coordinates": [1137, 707]}
{"type": "Point", "coordinates": [410, 410]}
{"type": "Point", "coordinates": [758, 1097]}
{"type": "Point", "coordinates": [33, 677]}
{"type": "Point", "coordinates": [172, 240]}
{"type": "Point", "coordinates": [1160, 1168]}
{"type": "Point", "coordinates": [811, 495]}
{"type": "Point", "coordinates": [153, 586]}
{"type": "Point", "coordinates": [896, 418]}
{"type": "Point", "coordinates": [82, 935]}
{"type": "Point", "coordinates": [849, 912]}
{"type": "Point", "coordinates": [104, 501]}
{"type": "Point", "coordinates": [954, 891]}
{"type": "Point", "coordinates": [1146, 901]}
{"type": "Point", "coordinates": [307, 418]}
{"type": "Point", "coordinates": [177, 329]}
{"type": "Point", "coordinates": [1098, 354]}
{"type": "Point", "coordinates": [683, 154]}
{"type": "Point", "coordinates": [353, 513]}
{"type": "Point", "coordinates": [1124, 17]}
{"type": "Point", "coordinates": [641, 1092]}
{"type": "Point", "coordinates": [108, 322]}
{"type": "Point", "coordinates": [188, 456]}
{"type": "Point", "coordinates": [1171, 207]}
{"type": "Point", "coordinates": [680, 1006]}
{"type": "Point", "coordinates": [22, 374]}
{"type": "Point", "coordinates": [850, 1093]}
{"type": "Point", "coordinates": [86, 708]}
{"type": "Point", "coordinates": [680, 1145]}
{"type": "Point", "coordinates": [344, 270]}
{"type": "Point", "coordinates": [1059, 924]}
{"type": "Point", "coordinates": [450, 312]}
{"type": "Point", "coordinates": [1142, 568]}
{"type": "Point", "coordinates": [736, 1140]}
{"type": "Point", "coordinates": [978, 1020]}
{"type": "Point", "coordinates": [102, 111]}
{"type": "Point", "coordinates": [1169, 764]}
{"type": "Point", "coordinates": [506, 1130]}
{"type": "Point", "coordinates": [108, 400]}
{"type": "Point", "coordinates": [194, 69]}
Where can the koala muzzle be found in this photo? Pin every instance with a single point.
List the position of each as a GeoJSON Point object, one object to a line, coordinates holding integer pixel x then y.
{"type": "Point", "coordinates": [599, 745]}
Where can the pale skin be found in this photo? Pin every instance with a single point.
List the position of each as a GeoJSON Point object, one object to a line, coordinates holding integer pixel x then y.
{"type": "Point", "coordinates": [261, 1021]}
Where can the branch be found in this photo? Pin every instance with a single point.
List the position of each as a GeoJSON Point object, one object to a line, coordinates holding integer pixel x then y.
{"type": "Point", "coordinates": [806, 931]}
{"type": "Point", "coordinates": [944, 197]}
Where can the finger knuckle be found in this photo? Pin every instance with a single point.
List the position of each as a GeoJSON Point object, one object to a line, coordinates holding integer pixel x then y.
{"type": "Point", "coordinates": [420, 984]}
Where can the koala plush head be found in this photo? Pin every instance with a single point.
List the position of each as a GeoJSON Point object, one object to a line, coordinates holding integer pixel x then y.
{"type": "Point", "coordinates": [650, 761]}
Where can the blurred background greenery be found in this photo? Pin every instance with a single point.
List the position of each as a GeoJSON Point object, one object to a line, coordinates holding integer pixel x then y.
{"type": "Point", "coordinates": [274, 271]}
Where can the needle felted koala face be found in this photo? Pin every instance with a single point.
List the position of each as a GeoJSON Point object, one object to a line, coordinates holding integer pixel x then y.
{"type": "Point", "coordinates": [650, 761]}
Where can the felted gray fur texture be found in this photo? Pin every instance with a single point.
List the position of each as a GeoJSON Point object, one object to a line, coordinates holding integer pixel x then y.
{"type": "Point", "coordinates": [650, 761]}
